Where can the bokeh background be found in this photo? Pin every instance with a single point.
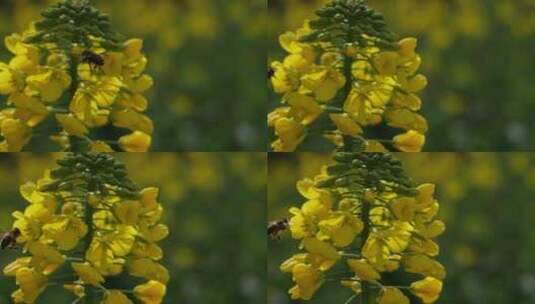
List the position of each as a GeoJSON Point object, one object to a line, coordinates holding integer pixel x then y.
{"type": "Point", "coordinates": [487, 201]}
{"type": "Point", "coordinates": [214, 205]}
{"type": "Point", "coordinates": [477, 55]}
{"type": "Point", "coordinates": [207, 58]}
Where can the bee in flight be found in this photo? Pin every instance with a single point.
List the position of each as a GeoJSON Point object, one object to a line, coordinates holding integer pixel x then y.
{"type": "Point", "coordinates": [94, 60]}
{"type": "Point", "coordinates": [9, 239]}
{"type": "Point", "coordinates": [276, 228]}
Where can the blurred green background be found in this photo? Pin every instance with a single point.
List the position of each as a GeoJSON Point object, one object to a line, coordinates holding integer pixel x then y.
{"type": "Point", "coordinates": [207, 58]}
{"type": "Point", "coordinates": [477, 55]}
{"type": "Point", "coordinates": [487, 201]}
{"type": "Point", "coordinates": [214, 205]}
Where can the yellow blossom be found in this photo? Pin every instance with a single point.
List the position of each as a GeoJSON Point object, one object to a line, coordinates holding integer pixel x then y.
{"type": "Point", "coordinates": [45, 258]}
{"type": "Point", "coordinates": [290, 133]}
{"type": "Point", "coordinates": [304, 108]}
{"type": "Point", "coordinates": [363, 270]}
{"type": "Point", "coordinates": [151, 292]}
{"type": "Point", "coordinates": [148, 269]}
{"type": "Point", "coordinates": [135, 142]}
{"type": "Point", "coordinates": [16, 133]}
{"type": "Point", "coordinates": [128, 212]}
{"type": "Point", "coordinates": [72, 125]}
{"type": "Point", "coordinates": [427, 289]}
{"type": "Point", "coordinates": [101, 233]}
{"type": "Point", "coordinates": [115, 297]}
{"type": "Point", "coordinates": [345, 124]}
{"type": "Point", "coordinates": [66, 231]}
{"type": "Point", "coordinates": [87, 273]}
{"type": "Point", "coordinates": [307, 280]}
{"type": "Point", "coordinates": [411, 141]}
{"type": "Point", "coordinates": [363, 213]}
{"type": "Point", "coordinates": [31, 284]}
{"type": "Point", "coordinates": [392, 295]}
{"type": "Point", "coordinates": [359, 79]}
{"type": "Point", "coordinates": [11, 269]}
{"type": "Point", "coordinates": [45, 71]}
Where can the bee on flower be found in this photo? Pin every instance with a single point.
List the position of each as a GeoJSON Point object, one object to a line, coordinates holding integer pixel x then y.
{"type": "Point", "coordinates": [87, 219]}
{"type": "Point", "coordinates": [73, 71]}
{"type": "Point", "coordinates": [362, 213]}
{"type": "Point", "coordinates": [346, 73]}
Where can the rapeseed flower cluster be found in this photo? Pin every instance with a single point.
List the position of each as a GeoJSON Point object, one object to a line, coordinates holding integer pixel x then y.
{"type": "Point", "coordinates": [345, 75]}
{"type": "Point", "coordinates": [71, 73]}
{"type": "Point", "coordinates": [86, 221]}
{"type": "Point", "coordinates": [363, 218]}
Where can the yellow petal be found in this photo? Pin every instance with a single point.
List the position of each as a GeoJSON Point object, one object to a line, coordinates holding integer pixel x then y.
{"type": "Point", "coordinates": [115, 297]}
{"type": "Point", "coordinates": [135, 142]}
{"type": "Point", "coordinates": [346, 125]}
{"type": "Point", "coordinates": [151, 292]}
{"type": "Point", "coordinates": [148, 269]}
{"type": "Point", "coordinates": [16, 133]}
{"type": "Point", "coordinates": [72, 125]}
{"type": "Point", "coordinates": [100, 146]}
{"type": "Point", "coordinates": [113, 63]}
{"type": "Point", "coordinates": [128, 212]}
{"type": "Point", "coordinates": [363, 270]}
{"type": "Point", "coordinates": [88, 274]}
{"type": "Point", "coordinates": [392, 295]}
{"type": "Point", "coordinates": [427, 289]}
{"type": "Point", "coordinates": [132, 120]}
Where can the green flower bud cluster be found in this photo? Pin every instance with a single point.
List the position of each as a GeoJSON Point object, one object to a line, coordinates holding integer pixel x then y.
{"type": "Point", "coordinates": [93, 172]}
{"type": "Point", "coordinates": [351, 21]}
{"type": "Point", "coordinates": [360, 171]}
{"type": "Point", "coordinates": [72, 22]}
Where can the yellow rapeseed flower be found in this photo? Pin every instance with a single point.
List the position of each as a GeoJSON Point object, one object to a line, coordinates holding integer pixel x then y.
{"type": "Point", "coordinates": [355, 75]}
{"type": "Point", "coordinates": [68, 66]}
{"type": "Point", "coordinates": [427, 289]}
{"type": "Point", "coordinates": [80, 220]}
{"type": "Point", "coordinates": [151, 292]}
{"type": "Point", "coordinates": [365, 215]}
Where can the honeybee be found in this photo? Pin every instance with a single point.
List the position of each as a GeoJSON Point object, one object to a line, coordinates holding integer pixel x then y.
{"type": "Point", "coordinates": [9, 239]}
{"type": "Point", "coordinates": [276, 228]}
{"type": "Point", "coordinates": [94, 60]}
{"type": "Point", "coordinates": [270, 73]}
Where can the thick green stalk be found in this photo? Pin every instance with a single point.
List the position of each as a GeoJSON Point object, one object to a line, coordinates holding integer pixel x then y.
{"type": "Point", "coordinates": [73, 71]}
{"type": "Point", "coordinates": [77, 144]}
{"type": "Point", "coordinates": [89, 290]}
{"type": "Point", "coordinates": [348, 64]}
{"type": "Point", "coordinates": [365, 217]}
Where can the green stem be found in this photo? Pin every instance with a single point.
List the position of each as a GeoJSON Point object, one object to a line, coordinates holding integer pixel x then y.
{"type": "Point", "coordinates": [348, 64]}
{"type": "Point", "coordinates": [74, 84]}
{"type": "Point", "coordinates": [333, 109]}
{"type": "Point", "coordinates": [365, 217]}
{"type": "Point", "coordinates": [89, 290]}
{"type": "Point", "coordinates": [73, 71]}
{"type": "Point", "coordinates": [351, 255]}
{"type": "Point", "coordinates": [350, 299]}
{"type": "Point", "coordinates": [57, 110]}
